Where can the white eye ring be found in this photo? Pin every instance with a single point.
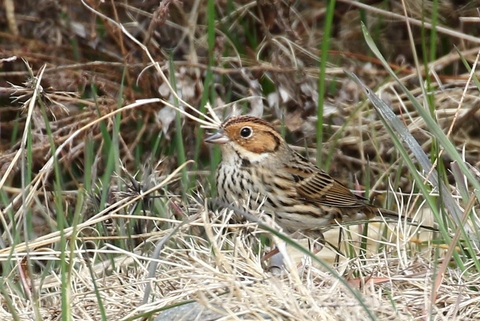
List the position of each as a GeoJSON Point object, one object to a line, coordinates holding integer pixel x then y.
{"type": "Point", "coordinates": [246, 132]}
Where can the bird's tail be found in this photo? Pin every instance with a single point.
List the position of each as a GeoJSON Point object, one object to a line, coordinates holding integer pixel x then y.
{"type": "Point", "coordinates": [394, 216]}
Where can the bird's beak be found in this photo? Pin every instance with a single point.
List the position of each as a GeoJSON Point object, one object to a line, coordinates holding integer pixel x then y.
{"type": "Point", "coordinates": [218, 138]}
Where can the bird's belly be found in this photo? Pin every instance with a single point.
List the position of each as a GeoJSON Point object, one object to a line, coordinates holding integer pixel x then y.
{"type": "Point", "coordinates": [254, 189]}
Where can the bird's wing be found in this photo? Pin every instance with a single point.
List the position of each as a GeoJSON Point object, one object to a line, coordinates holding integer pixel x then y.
{"type": "Point", "coordinates": [317, 186]}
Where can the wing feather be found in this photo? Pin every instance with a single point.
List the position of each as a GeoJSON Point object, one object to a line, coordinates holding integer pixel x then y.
{"type": "Point", "coordinates": [317, 186]}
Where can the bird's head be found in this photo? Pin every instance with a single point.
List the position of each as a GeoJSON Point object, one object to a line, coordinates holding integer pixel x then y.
{"type": "Point", "coordinates": [249, 137]}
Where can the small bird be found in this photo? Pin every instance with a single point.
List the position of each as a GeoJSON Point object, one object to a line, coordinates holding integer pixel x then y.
{"type": "Point", "coordinates": [260, 169]}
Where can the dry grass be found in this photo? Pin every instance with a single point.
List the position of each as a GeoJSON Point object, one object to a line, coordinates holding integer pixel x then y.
{"type": "Point", "coordinates": [141, 238]}
{"type": "Point", "coordinates": [214, 263]}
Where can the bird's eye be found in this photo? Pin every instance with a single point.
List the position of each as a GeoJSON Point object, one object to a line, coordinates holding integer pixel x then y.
{"type": "Point", "coordinates": [246, 132]}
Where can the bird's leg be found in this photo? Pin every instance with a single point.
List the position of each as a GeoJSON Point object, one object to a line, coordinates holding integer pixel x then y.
{"type": "Point", "coordinates": [317, 244]}
{"type": "Point", "coordinates": [269, 254]}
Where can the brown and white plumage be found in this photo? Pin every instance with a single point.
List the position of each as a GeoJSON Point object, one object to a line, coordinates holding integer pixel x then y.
{"type": "Point", "coordinates": [258, 166]}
